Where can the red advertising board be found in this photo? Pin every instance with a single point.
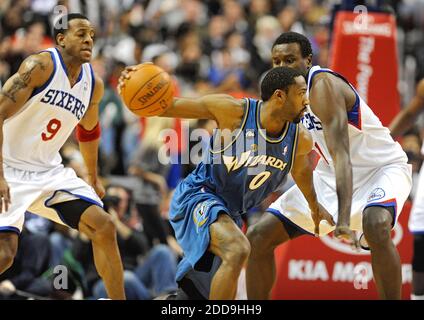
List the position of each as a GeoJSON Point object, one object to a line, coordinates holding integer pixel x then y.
{"type": "Point", "coordinates": [326, 268]}
{"type": "Point", "coordinates": [364, 50]}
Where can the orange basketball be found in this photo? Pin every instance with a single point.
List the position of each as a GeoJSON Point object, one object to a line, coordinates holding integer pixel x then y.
{"type": "Point", "coordinates": [149, 91]}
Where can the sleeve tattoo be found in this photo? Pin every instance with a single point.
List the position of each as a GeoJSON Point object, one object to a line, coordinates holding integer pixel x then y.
{"type": "Point", "coordinates": [22, 80]}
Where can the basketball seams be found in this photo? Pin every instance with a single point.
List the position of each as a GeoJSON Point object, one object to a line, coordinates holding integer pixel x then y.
{"type": "Point", "coordinates": [159, 87]}
{"type": "Point", "coordinates": [153, 112]}
{"type": "Point", "coordinates": [169, 86]}
{"type": "Point", "coordinates": [123, 90]}
{"type": "Point", "coordinates": [141, 88]}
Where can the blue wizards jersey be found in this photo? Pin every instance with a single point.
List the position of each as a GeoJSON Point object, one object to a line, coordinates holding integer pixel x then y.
{"type": "Point", "coordinates": [231, 180]}
{"type": "Point", "coordinates": [251, 166]}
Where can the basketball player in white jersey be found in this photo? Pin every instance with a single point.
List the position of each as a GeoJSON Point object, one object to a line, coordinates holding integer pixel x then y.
{"type": "Point", "coordinates": [400, 124]}
{"type": "Point", "coordinates": [362, 177]}
{"type": "Point", "coordinates": [53, 92]}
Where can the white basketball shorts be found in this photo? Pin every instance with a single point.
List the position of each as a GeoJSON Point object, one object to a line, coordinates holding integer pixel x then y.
{"type": "Point", "coordinates": [386, 186]}
{"type": "Point", "coordinates": [35, 192]}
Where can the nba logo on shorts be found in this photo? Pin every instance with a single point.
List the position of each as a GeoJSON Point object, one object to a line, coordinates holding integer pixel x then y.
{"type": "Point", "coordinates": [250, 133]}
{"type": "Point", "coordinates": [200, 213]}
{"type": "Point", "coordinates": [376, 194]}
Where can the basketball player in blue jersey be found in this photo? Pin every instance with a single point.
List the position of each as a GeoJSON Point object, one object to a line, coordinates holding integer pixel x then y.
{"type": "Point", "coordinates": [207, 206]}
{"type": "Point", "coordinates": [53, 92]}
{"type": "Point", "coordinates": [362, 177]}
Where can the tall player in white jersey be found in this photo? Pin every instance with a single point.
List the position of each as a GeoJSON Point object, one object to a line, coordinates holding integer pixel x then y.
{"type": "Point", "coordinates": [400, 124]}
{"type": "Point", "coordinates": [362, 177]}
{"type": "Point", "coordinates": [53, 92]}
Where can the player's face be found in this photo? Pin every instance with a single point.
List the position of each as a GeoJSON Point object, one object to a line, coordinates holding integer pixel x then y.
{"type": "Point", "coordinates": [296, 101]}
{"type": "Point", "coordinates": [290, 55]}
{"type": "Point", "coordinates": [79, 39]}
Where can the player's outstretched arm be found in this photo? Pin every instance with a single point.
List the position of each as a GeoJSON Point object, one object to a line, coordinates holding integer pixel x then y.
{"type": "Point", "coordinates": [88, 133]}
{"type": "Point", "coordinates": [219, 107]}
{"type": "Point", "coordinates": [328, 101]}
{"type": "Point", "coordinates": [222, 108]}
{"type": "Point", "coordinates": [405, 119]}
{"type": "Point", "coordinates": [32, 73]}
{"type": "Point", "coordinates": [302, 175]}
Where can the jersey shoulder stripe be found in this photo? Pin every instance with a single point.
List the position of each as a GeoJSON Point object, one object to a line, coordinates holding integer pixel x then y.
{"type": "Point", "coordinates": [354, 115]}
{"type": "Point", "coordinates": [93, 81]}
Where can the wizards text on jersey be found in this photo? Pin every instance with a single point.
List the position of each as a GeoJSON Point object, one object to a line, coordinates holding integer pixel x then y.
{"type": "Point", "coordinates": [65, 100]}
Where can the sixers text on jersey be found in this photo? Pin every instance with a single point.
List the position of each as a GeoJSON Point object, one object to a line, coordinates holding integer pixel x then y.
{"type": "Point", "coordinates": [64, 100]}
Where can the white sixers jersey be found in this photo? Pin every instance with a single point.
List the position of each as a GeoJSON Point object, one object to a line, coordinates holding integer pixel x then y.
{"type": "Point", "coordinates": [371, 145]}
{"type": "Point", "coordinates": [34, 136]}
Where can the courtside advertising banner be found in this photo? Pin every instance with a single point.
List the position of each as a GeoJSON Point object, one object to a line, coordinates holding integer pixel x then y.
{"type": "Point", "coordinates": [327, 268]}
{"type": "Point", "coordinates": [363, 49]}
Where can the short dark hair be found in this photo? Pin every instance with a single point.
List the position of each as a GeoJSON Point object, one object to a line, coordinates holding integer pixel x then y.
{"type": "Point", "coordinates": [278, 78]}
{"type": "Point", "coordinates": [60, 27]}
{"type": "Point", "coordinates": [294, 37]}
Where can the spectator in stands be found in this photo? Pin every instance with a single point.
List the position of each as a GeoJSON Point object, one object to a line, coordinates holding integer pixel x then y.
{"type": "Point", "coordinates": [149, 272]}
{"type": "Point", "coordinates": [32, 259]}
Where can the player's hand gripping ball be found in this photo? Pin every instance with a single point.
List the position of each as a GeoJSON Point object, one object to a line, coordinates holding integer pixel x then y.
{"type": "Point", "coordinates": [146, 89]}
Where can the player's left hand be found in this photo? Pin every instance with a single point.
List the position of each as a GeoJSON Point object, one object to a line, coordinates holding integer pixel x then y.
{"type": "Point", "coordinates": [94, 181]}
{"type": "Point", "coordinates": [345, 233]}
{"type": "Point", "coordinates": [126, 74]}
{"type": "Point", "coordinates": [319, 213]}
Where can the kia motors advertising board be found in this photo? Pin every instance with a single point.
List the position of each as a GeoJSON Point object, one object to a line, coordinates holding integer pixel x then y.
{"type": "Point", "coordinates": [326, 268]}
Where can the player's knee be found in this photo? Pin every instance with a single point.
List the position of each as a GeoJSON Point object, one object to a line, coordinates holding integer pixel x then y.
{"type": "Point", "coordinates": [237, 251]}
{"type": "Point", "coordinates": [7, 255]}
{"type": "Point", "coordinates": [6, 260]}
{"type": "Point", "coordinates": [106, 233]}
{"type": "Point", "coordinates": [254, 235]}
{"type": "Point", "coordinates": [377, 224]}
{"type": "Point", "coordinates": [258, 240]}
{"type": "Point", "coordinates": [263, 240]}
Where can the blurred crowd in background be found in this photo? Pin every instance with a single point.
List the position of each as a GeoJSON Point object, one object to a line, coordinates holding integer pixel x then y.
{"type": "Point", "coordinates": [207, 46]}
